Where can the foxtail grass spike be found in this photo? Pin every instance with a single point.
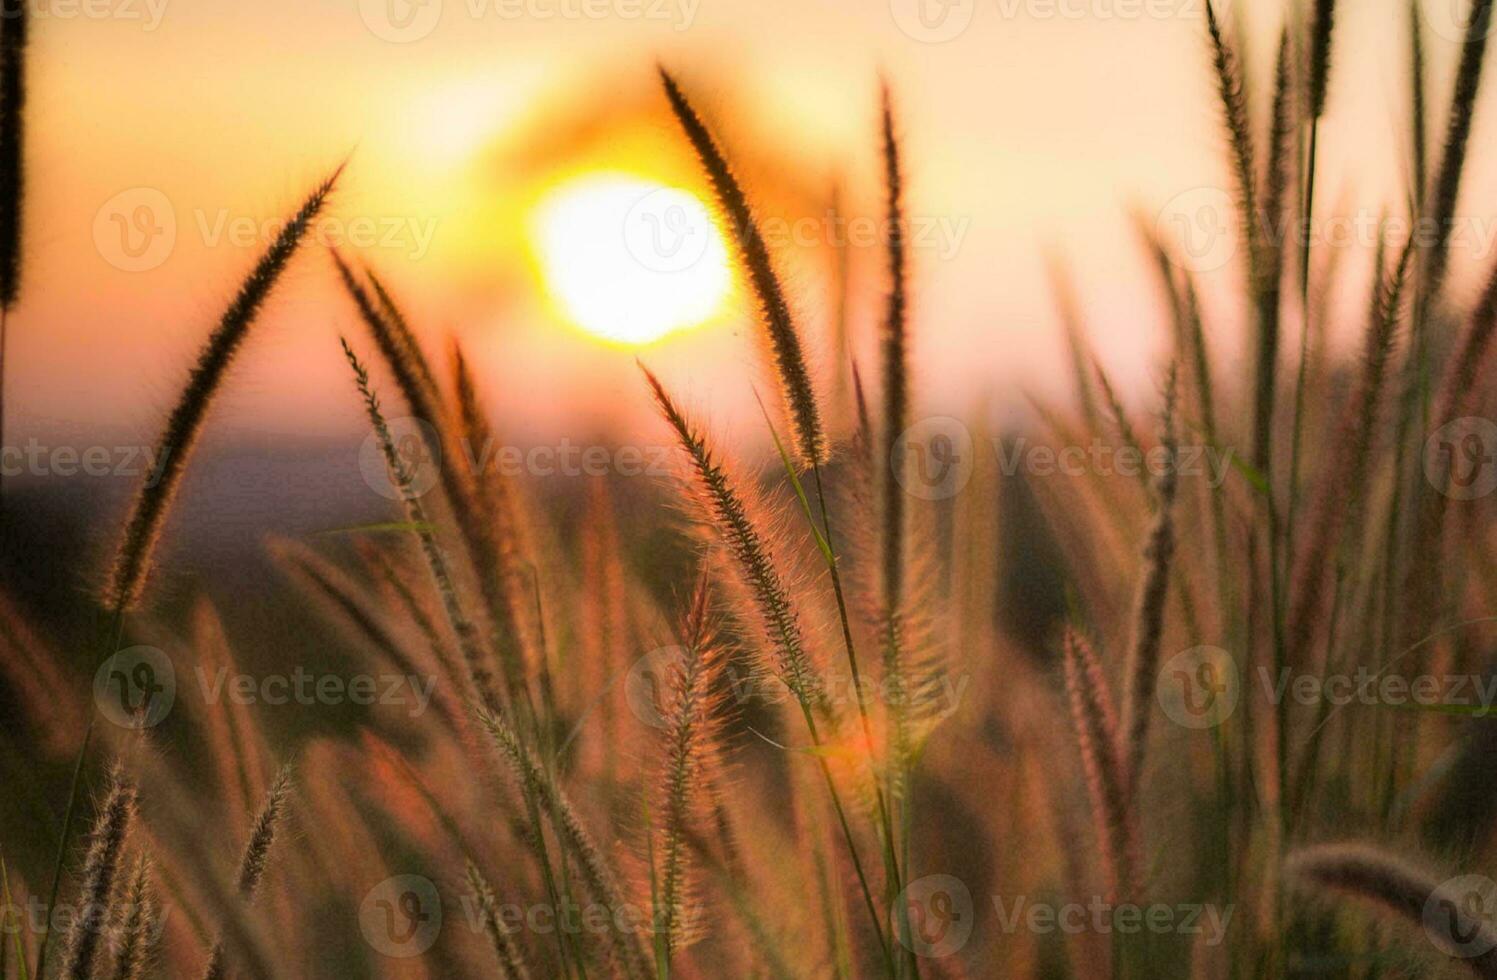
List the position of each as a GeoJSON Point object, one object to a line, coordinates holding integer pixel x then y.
{"type": "Point", "coordinates": [896, 418]}
{"type": "Point", "coordinates": [468, 639]}
{"type": "Point", "coordinates": [15, 28]}
{"type": "Point", "coordinates": [744, 542]}
{"type": "Point", "coordinates": [1270, 233]}
{"type": "Point", "coordinates": [1418, 111]}
{"type": "Point", "coordinates": [511, 958]}
{"type": "Point", "coordinates": [1096, 727]}
{"type": "Point", "coordinates": [404, 335]}
{"type": "Point", "coordinates": [137, 924]}
{"type": "Point", "coordinates": [1440, 910]}
{"type": "Point", "coordinates": [498, 518]}
{"type": "Point", "coordinates": [1148, 610]}
{"type": "Point", "coordinates": [255, 859]}
{"type": "Point", "coordinates": [689, 744]}
{"type": "Point", "coordinates": [785, 341]}
{"type": "Point", "coordinates": [1351, 457]}
{"type": "Point", "coordinates": [396, 346]}
{"type": "Point", "coordinates": [100, 869]}
{"type": "Point", "coordinates": [1229, 90]}
{"type": "Point", "coordinates": [1425, 574]}
{"type": "Point", "coordinates": [1280, 165]}
{"type": "Point", "coordinates": [132, 560]}
{"type": "Point", "coordinates": [728, 514]}
{"type": "Point", "coordinates": [458, 483]}
{"type": "Point", "coordinates": [1322, 23]}
{"type": "Point", "coordinates": [1459, 385]}
{"type": "Point", "coordinates": [1446, 190]}
{"type": "Point", "coordinates": [1280, 158]}
{"type": "Point", "coordinates": [596, 873]}
{"type": "Point", "coordinates": [1116, 413]}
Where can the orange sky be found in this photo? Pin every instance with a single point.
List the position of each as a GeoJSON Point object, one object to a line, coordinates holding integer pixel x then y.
{"type": "Point", "coordinates": [1027, 128]}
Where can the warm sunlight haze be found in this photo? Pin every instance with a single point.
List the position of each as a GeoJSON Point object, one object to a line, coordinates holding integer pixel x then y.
{"type": "Point", "coordinates": [667, 270]}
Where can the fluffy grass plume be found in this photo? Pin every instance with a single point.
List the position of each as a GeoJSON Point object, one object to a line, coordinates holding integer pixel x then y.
{"type": "Point", "coordinates": [1443, 195]}
{"type": "Point", "coordinates": [397, 346]}
{"type": "Point", "coordinates": [414, 379]}
{"type": "Point", "coordinates": [1117, 415]}
{"type": "Point", "coordinates": [402, 331]}
{"type": "Point", "coordinates": [1270, 231]}
{"type": "Point", "coordinates": [101, 867]}
{"type": "Point", "coordinates": [15, 24]}
{"type": "Point", "coordinates": [1095, 722]}
{"type": "Point", "coordinates": [1411, 894]}
{"type": "Point", "coordinates": [132, 560]}
{"type": "Point", "coordinates": [510, 958]}
{"type": "Point", "coordinates": [1148, 609]}
{"type": "Point", "coordinates": [788, 657]}
{"type": "Point", "coordinates": [1458, 388]}
{"type": "Point", "coordinates": [137, 923]}
{"type": "Point", "coordinates": [1341, 493]}
{"type": "Point", "coordinates": [1322, 24]}
{"type": "Point", "coordinates": [469, 642]}
{"type": "Point", "coordinates": [14, 27]}
{"type": "Point", "coordinates": [690, 746]}
{"type": "Point", "coordinates": [596, 873]}
{"type": "Point", "coordinates": [729, 515]}
{"type": "Point", "coordinates": [784, 338]}
{"type": "Point", "coordinates": [1229, 91]}
{"type": "Point", "coordinates": [1280, 163]}
{"type": "Point", "coordinates": [1418, 106]}
{"type": "Point", "coordinates": [1227, 69]}
{"type": "Point", "coordinates": [895, 360]}
{"type": "Point", "coordinates": [1425, 572]}
{"type": "Point", "coordinates": [255, 858]}
{"type": "Point", "coordinates": [896, 410]}
{"type": "Point", "coordinates": [498, 516]}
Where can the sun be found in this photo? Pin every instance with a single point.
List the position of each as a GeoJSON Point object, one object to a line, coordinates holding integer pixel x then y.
{"type": "Point", "coordinates": [630, 260]}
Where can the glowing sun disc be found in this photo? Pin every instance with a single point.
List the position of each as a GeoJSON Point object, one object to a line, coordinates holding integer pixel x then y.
{"type": "Point", "coordinates": [630, 260]}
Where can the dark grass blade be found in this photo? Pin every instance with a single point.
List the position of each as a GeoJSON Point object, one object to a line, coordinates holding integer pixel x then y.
{"type": "Point", "coordinates": [14, 30]}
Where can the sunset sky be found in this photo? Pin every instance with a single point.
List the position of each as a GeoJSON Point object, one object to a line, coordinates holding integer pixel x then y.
{"type": "Point", "coordinates": [1037, 126]}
